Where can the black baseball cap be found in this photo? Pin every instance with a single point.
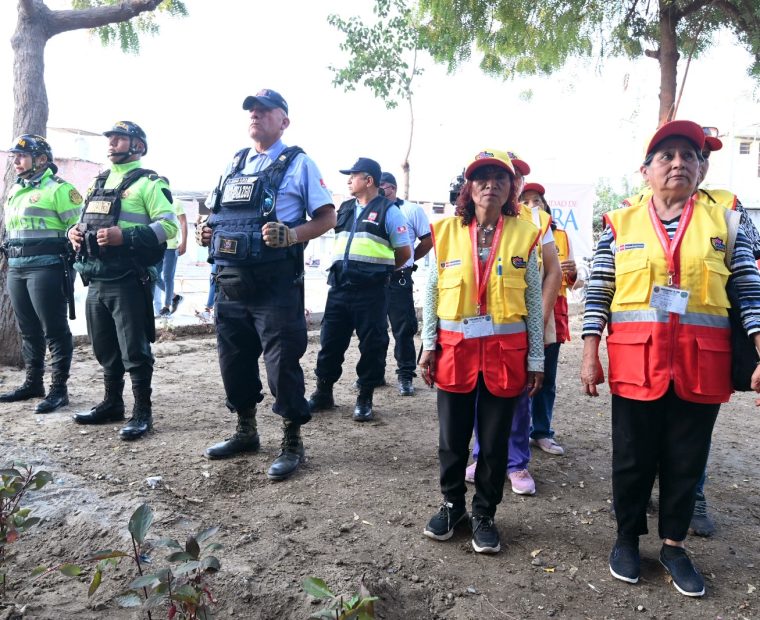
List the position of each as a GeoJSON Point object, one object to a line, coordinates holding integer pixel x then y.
{"type": "Point", "coordinates": [388, 178]}
{"type": "Point", "coordinates": [365, 164]}
{"type": "Point", "coordinates": [268, 98]}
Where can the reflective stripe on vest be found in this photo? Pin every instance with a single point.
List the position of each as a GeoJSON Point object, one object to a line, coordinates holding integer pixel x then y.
{"type": "Point", "coordinates": [649, 348]}
{"type": "Point", "coordinates": [368, 239]}
{"type": "Point", "coordinates": [36, 234]}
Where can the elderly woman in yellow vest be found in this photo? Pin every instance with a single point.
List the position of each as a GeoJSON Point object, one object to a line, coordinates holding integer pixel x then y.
{"type": "Point", "coordinates": [482, 339]}
{"type": "Point", "coordinates": [659, 285]}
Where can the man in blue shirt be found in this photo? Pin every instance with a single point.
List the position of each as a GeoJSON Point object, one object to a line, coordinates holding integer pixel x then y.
{"type": "Point", "coordinates": [371, 241]}
{"type": "Point", "coordinates": [255, 236]}
{"type": "Point", "coordinates": [401, 312]}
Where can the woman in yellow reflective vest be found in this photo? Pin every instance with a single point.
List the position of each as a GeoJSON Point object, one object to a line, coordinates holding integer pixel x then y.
{"type": "Point", "coordinates": [482, 339]}
{"type": "Point", "coordinates": [659, 285]}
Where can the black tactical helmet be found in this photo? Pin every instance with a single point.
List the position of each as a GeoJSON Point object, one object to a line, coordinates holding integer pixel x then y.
{"type": "Point", "coordinates": [130, 129]}
{"type": "Point", "coordinates": [32, 145]}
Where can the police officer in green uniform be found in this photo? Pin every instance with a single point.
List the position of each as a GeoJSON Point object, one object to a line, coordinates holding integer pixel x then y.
{"type": "Point", "coordinates": [127, 218]}
{"type": "Point", "coordinates": [39, 209]}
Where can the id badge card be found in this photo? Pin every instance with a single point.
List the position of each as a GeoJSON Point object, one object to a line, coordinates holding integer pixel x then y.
{"type": "Point", "coordinates": [669, 299]}
{"type": "Point", "coordinates": [478, 326]}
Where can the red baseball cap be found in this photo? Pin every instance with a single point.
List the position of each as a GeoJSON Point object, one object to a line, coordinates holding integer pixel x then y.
{"type": "Point", "coordinates": [520, 164]}
{"type": "Point", "coordinates": [534, 187]}
{"type": "Point", "coordinates": [685, 129]}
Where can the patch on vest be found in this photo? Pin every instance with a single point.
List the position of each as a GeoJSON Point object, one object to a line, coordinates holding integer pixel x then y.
{"type": "Point", "coordinates": [631, 246]}
{"type": "Point", "coordinates": [98, 206]}
{"type": "Point", "coordinates": [35, 197]}
{"type": "Point", "coordinates": [75, 197]}
{"type": "Point", "coordinates": [451, 263]}
{"type": "Point", "coordinates": [372, 217]}
{"type": "Point", "coordinates": [238, 190]}
{"type": "Point", "coordinates": [518, 262]}
{"type": "Point", "coordinates": [228, 246]}
{"type": "Point", "coordinates": [718, 244]}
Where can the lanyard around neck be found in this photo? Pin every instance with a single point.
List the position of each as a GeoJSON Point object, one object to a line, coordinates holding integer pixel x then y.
{"type": "Point", "coordinates": [671, 248]}
{"type": "Point", "coordinates": [481, 276]}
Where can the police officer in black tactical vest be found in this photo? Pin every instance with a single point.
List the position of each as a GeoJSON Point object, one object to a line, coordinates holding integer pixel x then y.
{"type": "Point", "coordinates": [256, 234]}
{"type": "Point", "coordinates": [127, 217]}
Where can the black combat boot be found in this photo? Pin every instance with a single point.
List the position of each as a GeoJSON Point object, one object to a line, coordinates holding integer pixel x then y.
{"type": "Point", "coordinates": [291, 453]}
{"type": "Point", "coordinates": [245, 439]}
{"type": "Point", "coordinates": [58, 396]}
{"type": "Point", "coordinates": [363, 408]}
{"type": "Point", "coordinates": [110, 409]}
{"type": "Point", "coordinates": [32, 387]}
{"type": "Point", "coordinates": [322, 398]}
{"type": "Point", "coordinates": [142, 415]}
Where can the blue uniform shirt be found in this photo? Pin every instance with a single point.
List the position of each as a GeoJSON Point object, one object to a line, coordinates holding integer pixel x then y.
{"type": "Point", "coordinates": [395, 225]}
{"type": "Point", "coordinates": [302, 186]}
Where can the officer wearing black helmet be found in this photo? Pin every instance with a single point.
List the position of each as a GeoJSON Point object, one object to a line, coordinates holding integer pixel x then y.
{"type": "Point", "coordinates": [39, 209]}
{"type": "Point", "coordinates": [255, 236]}
{"type": "Point", "coordinates": [127, 218]}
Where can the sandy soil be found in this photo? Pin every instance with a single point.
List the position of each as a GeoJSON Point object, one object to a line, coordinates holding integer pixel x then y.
{"type": "Point", "coordinates": [358, 506]}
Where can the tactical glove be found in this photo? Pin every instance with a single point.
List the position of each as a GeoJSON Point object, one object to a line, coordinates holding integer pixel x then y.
{"type": "Point", "coordinates": [277, 235]}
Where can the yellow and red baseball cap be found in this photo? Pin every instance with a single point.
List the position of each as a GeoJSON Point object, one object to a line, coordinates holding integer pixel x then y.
{"type": "Point", "coordinates": [685, 129]}
{"type": "Point", "coordinates": [534, 187]}
{"type": "Point", "coordinates": [490, 157]}
{"type": "Point", "coordinates": [712, 141]}
{"type": "Point", "coordinates": [519, 163]}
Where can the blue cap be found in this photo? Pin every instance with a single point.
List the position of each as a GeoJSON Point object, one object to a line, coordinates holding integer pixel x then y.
{"type": "Point", "coordinates": [365, 164]}
{"type": "Point", "coordinates": [388, 178]}
{"type": "Point", "coordinates": [268, 98]}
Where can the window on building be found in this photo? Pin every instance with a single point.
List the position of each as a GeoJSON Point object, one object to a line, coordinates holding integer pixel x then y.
{"type": "Point", "coordinates": [744, 148]}
{"type": "Point", "coordinates": [439, 208]}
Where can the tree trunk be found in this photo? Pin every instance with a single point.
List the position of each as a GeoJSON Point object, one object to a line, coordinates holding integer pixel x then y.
{"type": "Point", "coordinates": [668, 58]}
{"type": "Point", "coordinates": [30, 115]}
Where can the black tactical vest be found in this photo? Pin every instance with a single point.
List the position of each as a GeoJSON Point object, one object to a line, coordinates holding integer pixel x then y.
{"type": "Point", "coordinates": [241, 205]}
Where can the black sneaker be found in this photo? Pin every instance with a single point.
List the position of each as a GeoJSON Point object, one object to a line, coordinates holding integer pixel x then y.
{"type": "Point", "coordinates": [701, 523]}
{"type": "Point", "coordinates": [686, 579]}
{"type": "Point", "coordinates": [441, 526]}
{"type": "Point", "coordinates": [485, 536]}
{"type": "Point", "coordinates": [625, 561]}
{"type": "Point", "coordinates": [176, 301]}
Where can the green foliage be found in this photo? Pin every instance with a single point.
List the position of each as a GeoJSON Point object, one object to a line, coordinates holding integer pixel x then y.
{"type": "Point", "coordinates": [182, 586]}
{"type": "Point", "coordinates": [127, 33]}
{"type": "Point", "coordinates": [380, 53]}
{"type": "Point", "coordinates": [359, 606]}
{"type": "Point", "coordinates": [15, 481]}
{"type": "Point", "coordinates": [609, 198]}
{"type": "Point", "coordinates": [526, 37]}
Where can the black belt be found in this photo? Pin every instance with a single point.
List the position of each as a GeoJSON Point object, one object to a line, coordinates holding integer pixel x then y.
{"type": "Point", "coordinates": [17, 251]}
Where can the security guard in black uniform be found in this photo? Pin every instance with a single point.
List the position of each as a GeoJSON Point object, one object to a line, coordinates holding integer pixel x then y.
{"type": "Point", "coordinates": [127, 218]}
{"type": "Point", "coordinates": [255, 237]}
{"type": "Point", "coordinates": [39, 209]}
{"type": "Point", "coordinates": [370, 242]}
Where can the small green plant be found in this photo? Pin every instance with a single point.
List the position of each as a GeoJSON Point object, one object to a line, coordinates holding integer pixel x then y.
{"type": "Point", "coordinates": [182, 586]}
{"type": "Point", "coordinates": [359, 606]}
{"type": "Point", "coordinates": [15, 482]}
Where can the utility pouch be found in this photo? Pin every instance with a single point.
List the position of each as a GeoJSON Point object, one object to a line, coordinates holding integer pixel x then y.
{"type": "Point", "coordinates": [236, 285]}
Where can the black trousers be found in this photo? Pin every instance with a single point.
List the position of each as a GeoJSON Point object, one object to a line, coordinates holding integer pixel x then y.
{"type": "Point", "coordinates": [456, 417]}
{"type": "Point", "coordinates": [40, 307]}
{"type": "Point", "coordinates": [117, 325]}
{"type": "Point", "coordinates": [349, 308]}
{"type": "Point", "coordinates": [271, 322]}
{"type": "Point", "coordinates": [403, 319]}
{"type": "Point", "coordinates": [670, 437]}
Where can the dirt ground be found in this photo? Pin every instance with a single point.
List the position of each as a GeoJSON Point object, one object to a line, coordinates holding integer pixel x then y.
{"type": "Point", "coordinates": [358, 506]}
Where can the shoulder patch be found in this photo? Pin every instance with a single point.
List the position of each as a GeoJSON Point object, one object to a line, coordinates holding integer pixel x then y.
{"type": "Point", "coordinates": [168, 194]}
{"type": "Point", "coordinates": [75, 197]}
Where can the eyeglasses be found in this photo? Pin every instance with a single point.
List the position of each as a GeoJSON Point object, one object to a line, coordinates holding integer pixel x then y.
{"type": "Point", "coordinates": [710, 132]}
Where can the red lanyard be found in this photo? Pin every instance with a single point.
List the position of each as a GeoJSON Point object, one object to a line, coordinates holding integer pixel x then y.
{"type": "Point", "coordinates": [481, 275]}
{"type": "Point", "coordinates": [671, 248]}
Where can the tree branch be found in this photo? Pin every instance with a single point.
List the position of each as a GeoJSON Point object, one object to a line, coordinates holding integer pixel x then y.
{"type": "Point", "coordinates": [690, 8]}
{"type": "Point", "coordinates": [26, 8]}
{"type": "Point", "coordinates": [652, 54]}
{"type": "Point", "coordinates": [63, 21]}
